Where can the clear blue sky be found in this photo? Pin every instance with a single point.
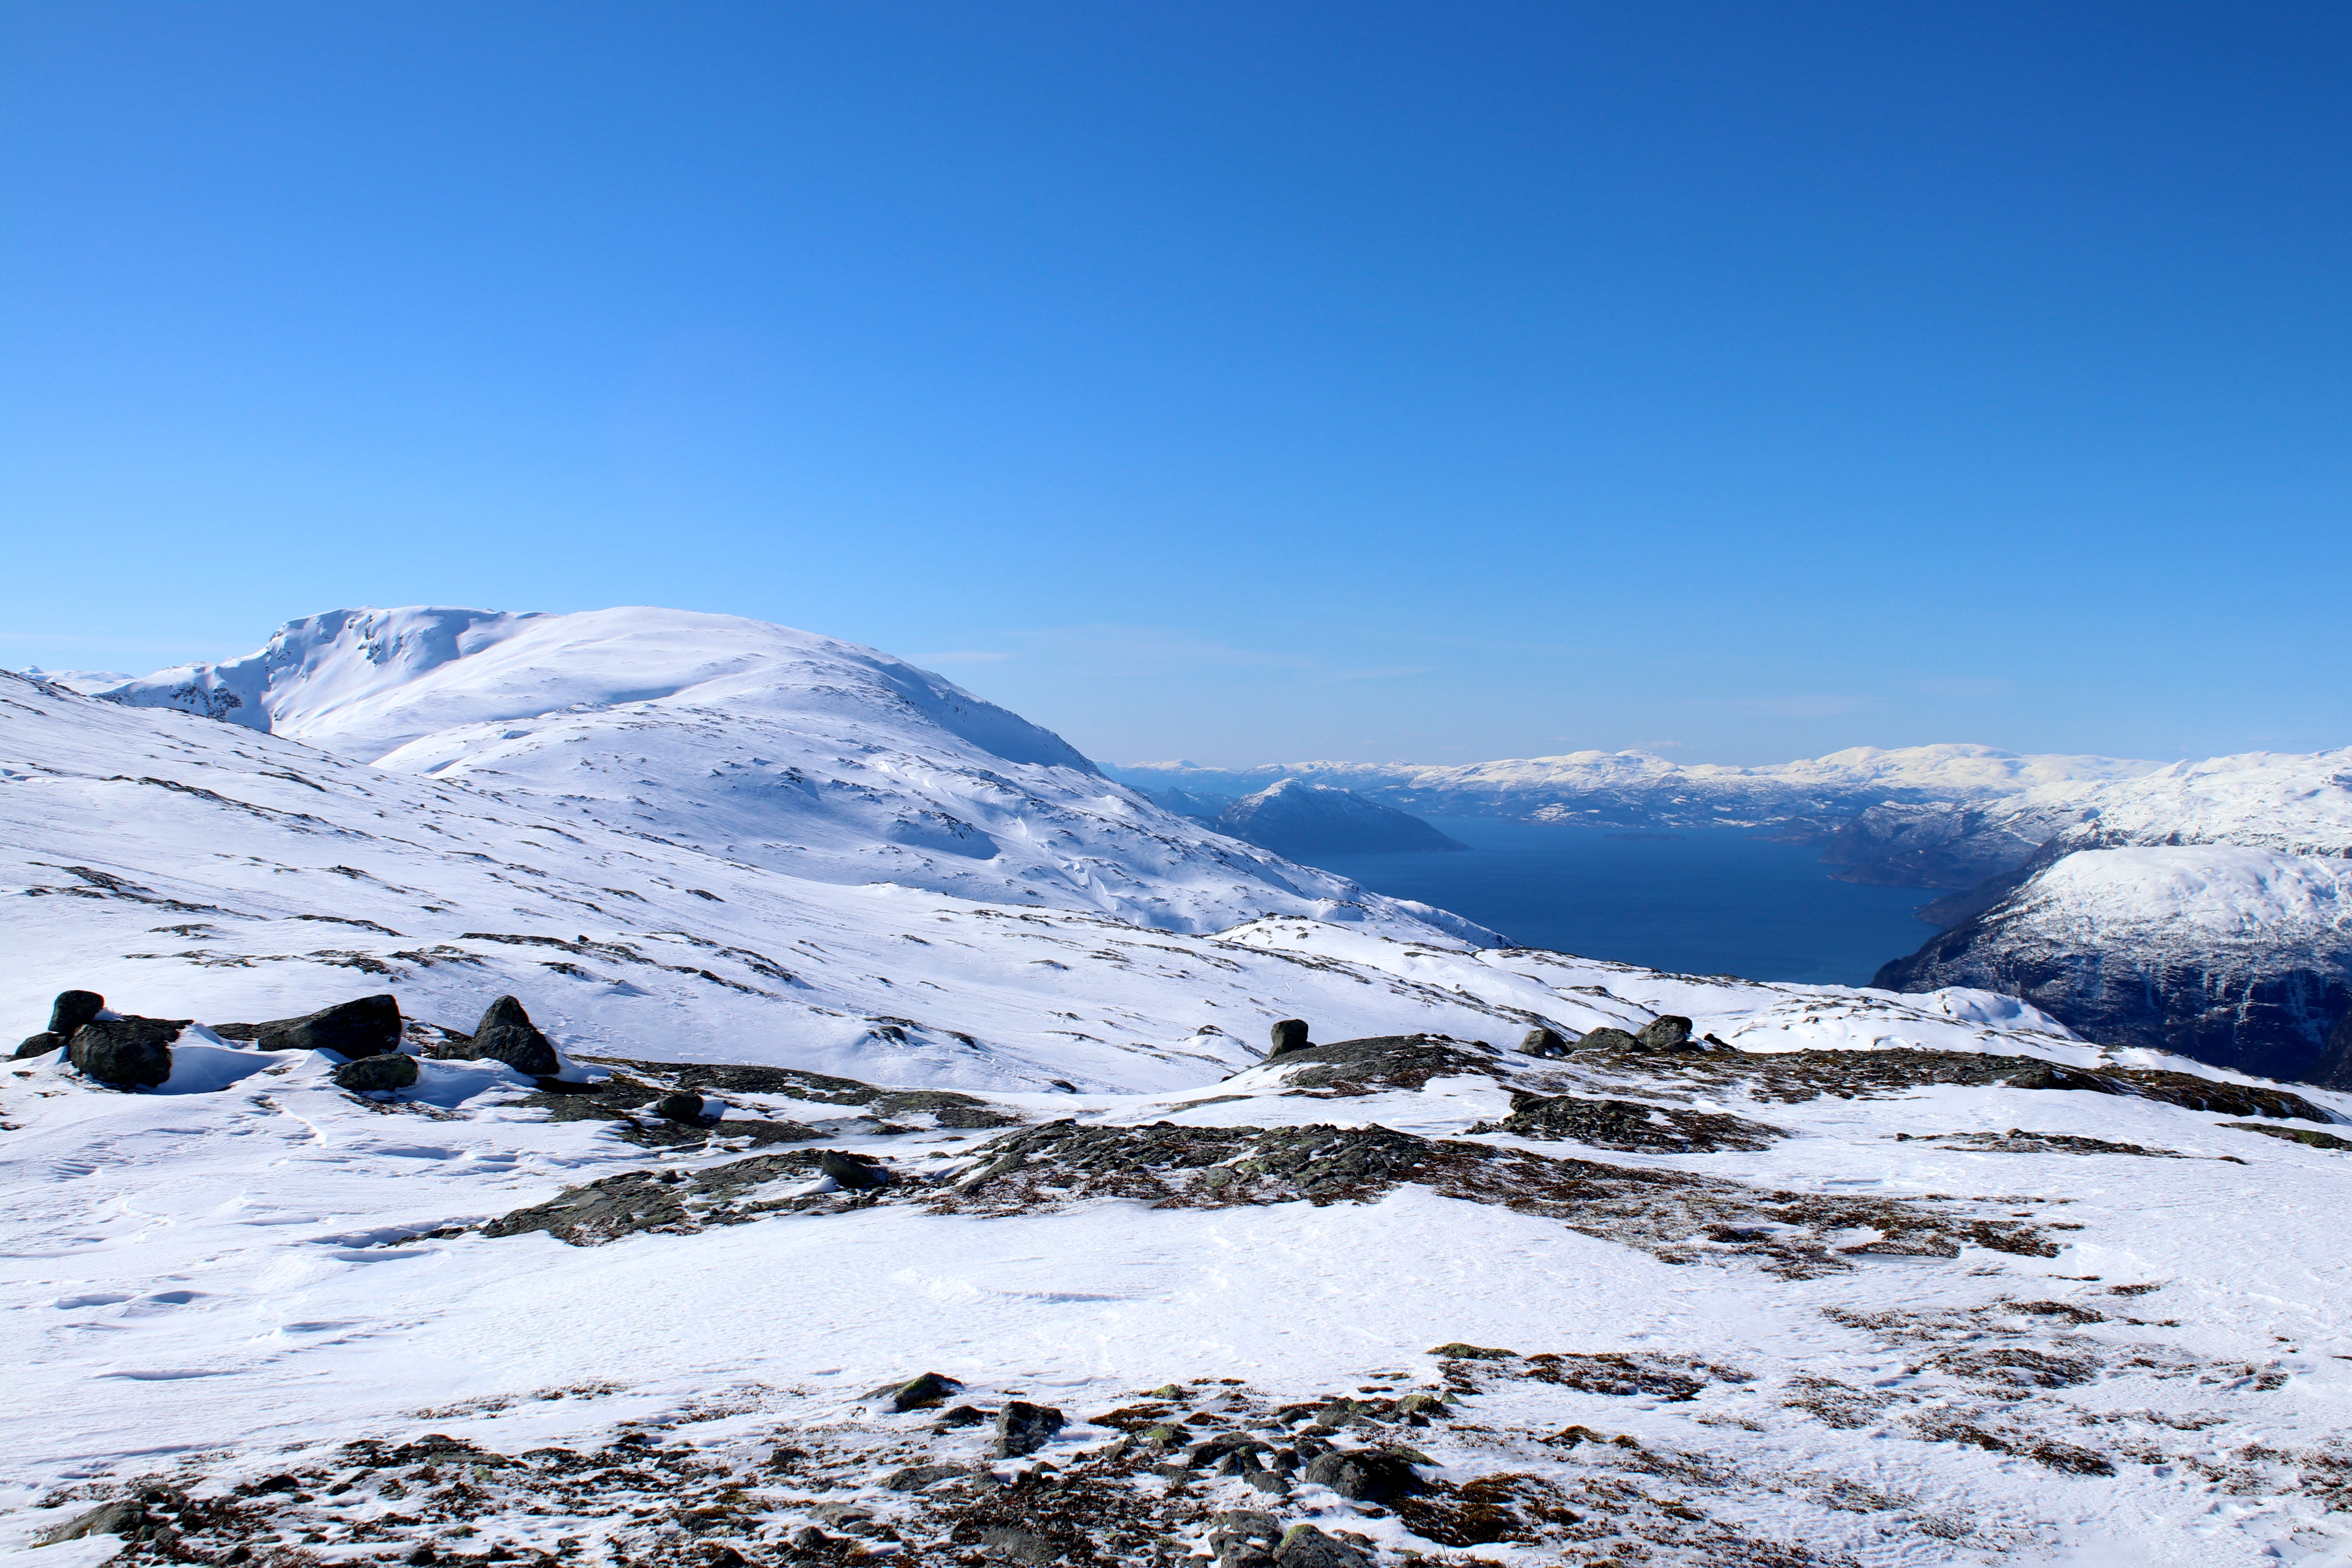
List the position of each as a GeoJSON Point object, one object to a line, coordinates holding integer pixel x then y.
{"type": "Point", "coordinates": [1242, 383]}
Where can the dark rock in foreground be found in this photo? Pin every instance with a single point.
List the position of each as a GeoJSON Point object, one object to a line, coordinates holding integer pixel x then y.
{"type": "Point", "coordinates": [72, 1009]}
{"type": "Point", "coordinates": [129, 1052]}
{"type": "Point", "coordinates": [369, 1027]}
{"type": "Point", "coordinates": [40, 1045]}
{"type": "Point", "coordinates": [1024, 1428]}
{"type": "Point", "coordinates": [1289, 1035]}
{"type": "Point", "coordinates": [1385, 1061]}
{"type": "Point", "coordinates": [506, 1034]}
{"type": "Point", "coordinates": [374, 1074]}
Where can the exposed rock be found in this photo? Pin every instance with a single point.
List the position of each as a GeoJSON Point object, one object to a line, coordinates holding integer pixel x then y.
{"type": "Point", "coordinates": [1386, 1061]}
{"type": "Point", "coordinates": [1608, 1039]}
{"type": "Point", "coordinates": [1020, 1545]}
{"type": "Point", "coordinates": [122, 1517]}
{"type": "Point", "coordinates": [967, 1117]}
{"type": "Point", "coordinates": [691, 1109]}
{"type": "Point", "coordinates": [1024, 1428]}
{"type": "Point", "coordinates": [40, 1045]}
{"type": "Point", "coordinates": [72, 1009]}
{"type": "Point", "coordinates": [614, 1206]}
{"type": "Point", "coordinates": [1543, 1043]}
{"type": "Point", "coordinates": [1454, 1349]}
{"type": "Point", "coordinates": [506, 1034]}
{"type": "Point", "coordinates": [1304, 1546]}
{"type": "Point", "coordinates": [129, 1051]}
{"type": "Point", "coordinates": [1289, 1036]}
{"type": "Point", "coordinates": [368, 1026]}
{"type": "Point", "coordinates": [1244, 1538]}
{"type": "Point", "coordinates": [928, 1388]}
{"type": "Point", "coordinates": [1624, 1124]}
{"type": "Point", "coordinates": [2017, 1141]}
{"type": "Point", "coordinates": [853, 1171]}
{"type": "Point", "coordinates": [1363, 1475]}
{"type": "Point", "coordinates": [377, 1073]}
{"type": "Point", "coordinates": [915, 1477]}
{"type": "Point", "coordinates": [1667, 1031]}
{"type": "Point", "coordinates": [2294, 1134]}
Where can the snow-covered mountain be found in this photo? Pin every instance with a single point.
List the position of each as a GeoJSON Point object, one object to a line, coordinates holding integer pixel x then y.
{"type": "Point", "coordinates": [759, 744]}
{"type": "Point", "coordinates": [1878, 1280]}
{"type": "Point", "coordinates": [1310, 821]}
{"type": "Point", "coordinates": [2205, 909]}
{"type": "Point", "coordinates": [1817, 799]}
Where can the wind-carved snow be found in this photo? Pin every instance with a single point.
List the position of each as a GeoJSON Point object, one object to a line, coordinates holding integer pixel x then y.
{"type": "Point", "coordinates": [762, 745]}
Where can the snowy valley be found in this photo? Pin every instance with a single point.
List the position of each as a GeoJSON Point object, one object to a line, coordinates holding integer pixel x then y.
{"type": "Point", "coordinates": [916, 1185]}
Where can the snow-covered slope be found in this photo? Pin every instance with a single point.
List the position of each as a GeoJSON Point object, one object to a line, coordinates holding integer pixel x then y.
{"type": "Point", "coordinates": [2205, 909]}
{"type": "Point", "coordinates": [759, 744]}
{"type": "Point", "coordinates": [1807, 1300]}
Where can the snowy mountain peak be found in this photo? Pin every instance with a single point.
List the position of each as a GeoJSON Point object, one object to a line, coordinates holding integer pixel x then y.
{"type": "Point", "coordinates": [762, 745]}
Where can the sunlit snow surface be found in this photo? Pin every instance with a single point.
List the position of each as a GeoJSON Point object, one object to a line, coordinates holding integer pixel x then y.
{"type": "Point", "coordinates": [760, 743]}
{"type": "Point", "coordinates": [242, 1279]}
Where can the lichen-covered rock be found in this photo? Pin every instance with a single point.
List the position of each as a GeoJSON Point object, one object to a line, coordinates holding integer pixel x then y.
{"type": "Point", "coordinates": [124, 1516]}
{"type": "Point", "coordinates": [131, 1052]}
{"type": "Point", "coordinates": [506, 1034]}
{"type": "Point", "coordinates": [1024, 1428]}
{"type": "Point", "coordinates": [1387, 1061]}
{"type": "Point", "coordinates": [1363, 1475]}
{"type": "Point", "coordinates": [1288, 1036]}
{"type": "Point", "coordinates": [1304, 1546]}
{"type": "Point", "coordinates": [377, 1074]}
{"type": "Point", "coordinates": [40, 1045]}
{"type": "Point", "coordinates": [1608, 1039]}
{"type": "Point", "coordinates": [72, 1009]}
{"type": "Point", "coordinates": [1667, 1031]}
{"type": "Point", "coordinates": [1624, 1124]}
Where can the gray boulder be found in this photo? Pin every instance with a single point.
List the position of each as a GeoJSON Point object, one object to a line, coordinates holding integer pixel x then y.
{"type": "Point", "coordinates": [124, 1516]}
{"type": "Point", "coordinates": [1020, 1545]}
{"type": "Point", "coordinates": [851, 1170]}
{"type": "Point", "coordinates": [506, 1034]}
{"type": "Point", "coordinates": [1608, 1039]}
{"type": "Point", "coordinates": [368, 1074]}
{"type": "Point", "coordinates": [369, 1027]}
{"type": "Point", "coordinates": [1290, 1035]}
{"type": "Point", "coordinates": [1244, 1538]}
{"type": "Point", "coordinates": [72, 1009]}
{"type": "Point", "coordinates": [1665, 1032]}
{"type": "Point", "coordinates": [1024, 1428]}
{"type": "Point", "coordinates": [1544, 1042]}
{"type": "Point", "coordinates": [1361, 1474]}
{"type": "Point", "coordinates": [133, 1052]}
{"type": "Point", "coordinates": [915, 1477]}
{"type": "Point", "coordinates": [40, 1045]}
{"type": "Point", "coordinates": [1304, 1546]}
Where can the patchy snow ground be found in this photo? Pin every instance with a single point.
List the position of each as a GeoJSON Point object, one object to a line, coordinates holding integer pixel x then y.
{"type": "Point", "coordinates": [1888, 1329]}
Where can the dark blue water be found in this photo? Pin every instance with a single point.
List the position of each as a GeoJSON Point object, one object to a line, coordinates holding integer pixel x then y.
{"type": "Point", "coordinates": [1704, 902]}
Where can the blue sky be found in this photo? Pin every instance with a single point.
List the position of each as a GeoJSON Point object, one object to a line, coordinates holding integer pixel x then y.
{"type": "Point", "coordinates": [1236, 382]}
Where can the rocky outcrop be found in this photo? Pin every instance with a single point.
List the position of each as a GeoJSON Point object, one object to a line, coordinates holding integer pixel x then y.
{"type": "Point", "coordinates": [1625, 1124]}
{"type": "Point", "coordinates": [1024, 1428]}
{"type": "Point", "coordinates": [377, 1074]}
{"type": "Point", "coordinates": [130, 1053]}
{"type": "Point", "coordinates": [72, 1009]}
{"type": "Point", "coordinates": [1289, 1035]}
{"type": "Point", "coordinates": [506, 1034]}
{"type": "Point", "coordinates": [368, 1026]}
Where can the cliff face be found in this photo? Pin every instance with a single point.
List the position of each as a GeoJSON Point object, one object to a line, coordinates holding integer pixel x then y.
{"type": "Point", "coordinates": [2233, 955]}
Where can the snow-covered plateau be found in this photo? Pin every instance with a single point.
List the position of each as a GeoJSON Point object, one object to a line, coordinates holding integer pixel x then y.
{"type": "Point", "coordinates": [1710, 1272]}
